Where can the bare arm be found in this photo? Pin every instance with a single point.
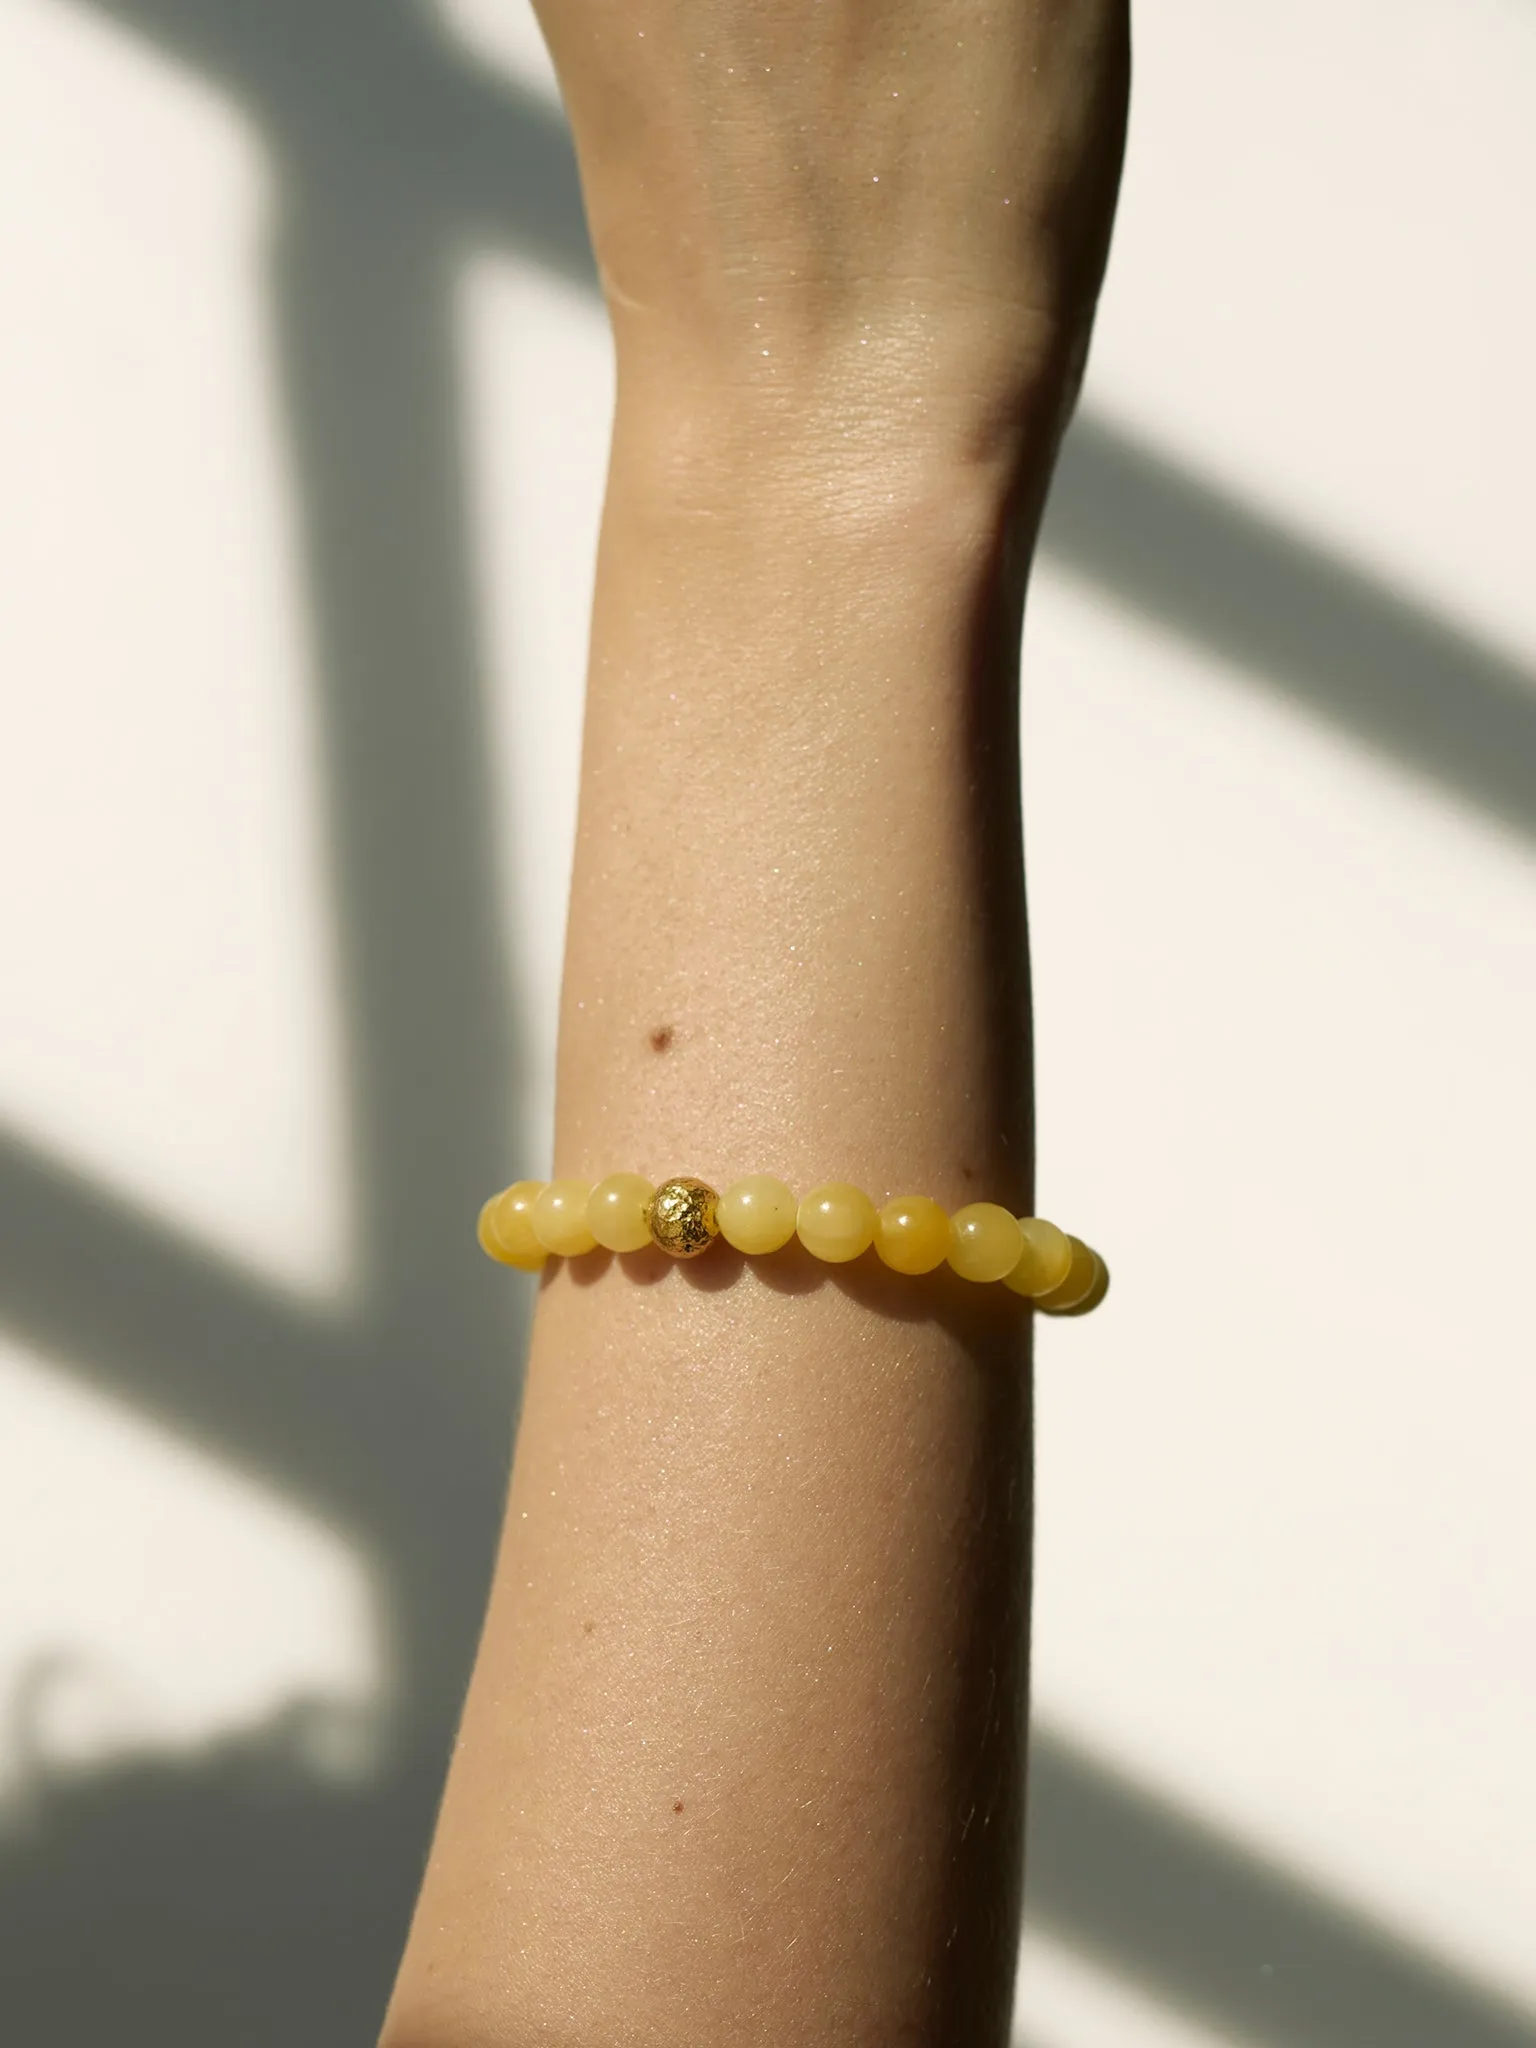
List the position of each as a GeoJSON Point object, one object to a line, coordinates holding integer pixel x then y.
{"type": "Point", "coordinates": [742, 1758]}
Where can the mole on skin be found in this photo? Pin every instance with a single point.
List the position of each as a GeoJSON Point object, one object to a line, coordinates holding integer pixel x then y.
{"type": "Point", "coordinates": [677, 1806]}
{"type": "Point", "coordinates": [661, 1037]}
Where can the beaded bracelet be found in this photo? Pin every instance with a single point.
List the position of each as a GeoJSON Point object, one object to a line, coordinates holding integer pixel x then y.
{"type": "Point", "coordinates": [836, 1222]}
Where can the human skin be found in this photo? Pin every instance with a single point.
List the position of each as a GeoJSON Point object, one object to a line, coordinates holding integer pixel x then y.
{"type": "Point", "coordinates": [742, 1757]}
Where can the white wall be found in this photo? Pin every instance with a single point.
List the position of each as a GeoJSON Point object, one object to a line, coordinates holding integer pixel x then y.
{"type": "Point", "coordinates": [304, 395]}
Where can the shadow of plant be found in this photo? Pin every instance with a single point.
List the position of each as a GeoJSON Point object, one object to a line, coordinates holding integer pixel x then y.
{"type": "Point", "coordinates": [237, 1896]}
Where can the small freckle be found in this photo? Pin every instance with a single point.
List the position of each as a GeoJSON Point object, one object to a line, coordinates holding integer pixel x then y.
{"type": "Point", "coordinates": [587, 1627]}
{"type": "Point", "coordinates": [661, 1037]}
{"type": "Point", "coordinates": [677, 1806]}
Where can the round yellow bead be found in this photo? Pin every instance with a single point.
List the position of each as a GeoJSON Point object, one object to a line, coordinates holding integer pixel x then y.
{"type": "Point", "coordinates": [616, 1212]}
{"type": "Point", "coordinates": [1045, 1260]}
{"type": "Point", "coordinates": [836, 1222]}
{"type": "Point", "coordinates": [1083, 1277]}
{"type": "Point", "coordinates": [560, 1218]}
{"type": "Point", "coordinates": [984, 1241]}
{"type": "Point", "coordinates": [681, 1216]}
{"type": "Point", "coordinates": [912, 1234]}
{"type": "Point", "coordinates": [757, 1214]}
{"type": "Point", "coordinates": [506, 1227]}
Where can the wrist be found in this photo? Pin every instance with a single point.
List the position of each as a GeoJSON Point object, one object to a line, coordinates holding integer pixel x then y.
{"type": "Point", "coordinates": [846, 427]}
{"type": "Point", "coordinates": [715, 469]}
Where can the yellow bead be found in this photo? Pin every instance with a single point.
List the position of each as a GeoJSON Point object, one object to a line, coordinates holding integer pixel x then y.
{"type": "Point", "coordinates": [912, 1234]}
{"type": "Point", "coordinates": [1045, 1260]}
{"type": "Point", "coordinates": [506, 1227]}
{"type": "Point", "coordinates": [616, 1212]}
{"type": "Point", "coordinates": [681, 1216]}
{"type": "Point", "coordinates": [560, 1218]}
{"type": "Point", "coordinates": [985, 1241]}
{"type": "Point", "coordinates": [836, 1222]}
{"type": "Point", "coordinates": [1083, 1276]}
{"type": "Point", "coordinates": [757, 1214]}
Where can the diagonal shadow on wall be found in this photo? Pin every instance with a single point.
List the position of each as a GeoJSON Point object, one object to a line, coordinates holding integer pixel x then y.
{"type": "Point", "coordinates": [242, 1895]}
{"type": "Point", "coordinates": [1226, 1936]}
{"type": "Point", "coordinates": [1427, 698]}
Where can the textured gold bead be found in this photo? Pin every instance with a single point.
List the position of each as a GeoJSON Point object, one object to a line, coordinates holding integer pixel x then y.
{"type": "Point", "coordinates": [681, 1216]}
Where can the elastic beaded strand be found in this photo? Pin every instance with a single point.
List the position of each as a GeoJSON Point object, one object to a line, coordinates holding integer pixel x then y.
{"type": "Point", "coordinates": [1044, 1261]}
{"type": "Point", "coordinates": [985, 1241]}
{"type": "Point", "coordinates": [616, 1212]}
{"type": "Point", "coordinates": [912, 1234]}
{"type": "Point", "coordinates": [506, 1227]}
{"type": "Point", "coordinates": [1082, 1278]}
{"type": "Point", "coordinates": [757, 1214]}
{"type": "Point", "coordinates": [560, 1218]}
{"type": "Point", "coordinates": [836, 1223]}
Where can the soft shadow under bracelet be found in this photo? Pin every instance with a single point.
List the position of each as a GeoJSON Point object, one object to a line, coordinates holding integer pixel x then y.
{"type": "Point", "coordinates": [836, 1222]}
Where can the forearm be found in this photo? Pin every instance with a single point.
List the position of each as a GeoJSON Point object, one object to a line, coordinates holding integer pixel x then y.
{"type": "Point", "coordinates": [742, 1758]}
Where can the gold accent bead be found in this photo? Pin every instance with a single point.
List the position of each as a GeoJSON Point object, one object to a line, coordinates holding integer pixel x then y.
{"type": "Point", "coordinates": [506, 1227]}
{"type": "Point", "coordinates": [1045, 1260]}
{"type": "Point", "coordinates": [757, 1214]}
{"type": "Point", "coordinates": [616, 1212]}
{"type": "Point", "coordinates": [1083, 1277]}
{"type": "Point", "coordinates": [985, 1241]}
{"type": "Point", "coordinates": [681, 1216]}
{"type": "Point", "coordinates": [912, 1234]}
{"type": "Point", "coordinates": [560, 1218]}
{"type": "Point", "coordinates": [836, 1222]}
